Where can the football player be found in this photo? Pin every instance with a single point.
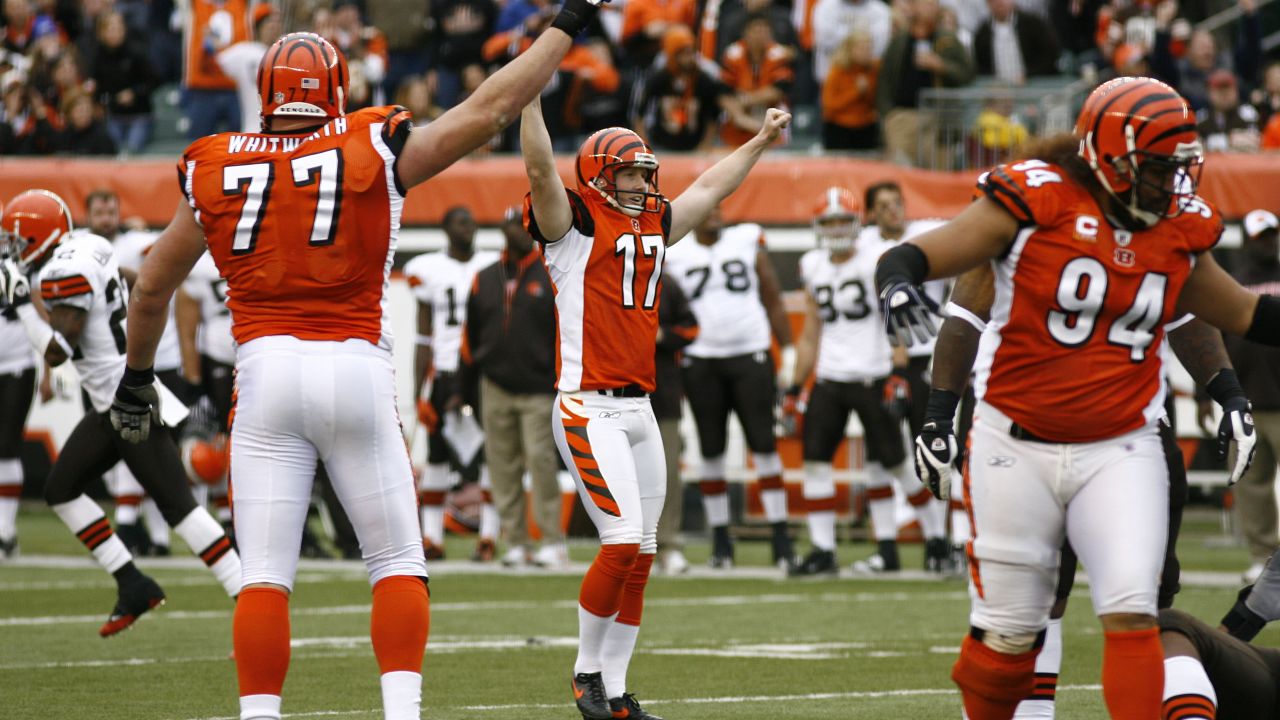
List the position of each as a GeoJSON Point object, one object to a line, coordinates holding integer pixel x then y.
{"type": "Point", "coordinates": [441, 281]}
{"type": "Point", "coordinates": [1092, 255]}
{"type": "Point", "coordinates": [81, 286]}
{"type": "Point", "coordinates": [17, 389]}
{"type": "Point", "coordinates": [604, 244]}
{"type": "Point", "coordinates": [731, 284]}
{"type": "Point", "coordinates": [302, 222]}
{"type": "Point", "coordinates": [843, 343]}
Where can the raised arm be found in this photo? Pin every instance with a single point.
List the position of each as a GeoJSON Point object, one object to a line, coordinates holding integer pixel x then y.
{"type": "Point", "coordinates": [550, 204]}
{"type": "Point", "coordinates": [721, 179]}
{"type": "Point", "coordinates": [494, 105]}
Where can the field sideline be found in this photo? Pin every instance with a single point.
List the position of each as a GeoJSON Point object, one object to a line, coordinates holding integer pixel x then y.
{"type": "Point", "coordinates": [742, 645]}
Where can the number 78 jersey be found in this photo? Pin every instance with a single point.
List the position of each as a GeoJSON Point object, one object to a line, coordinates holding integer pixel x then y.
{"type": "Point", "coordinates": [1072, 350]}
{"type": "Point", "coordinates": [303, 226]}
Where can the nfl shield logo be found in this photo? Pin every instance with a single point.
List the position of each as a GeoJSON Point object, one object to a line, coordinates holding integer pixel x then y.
{"type": "Point", "coordinates": [279, 97]}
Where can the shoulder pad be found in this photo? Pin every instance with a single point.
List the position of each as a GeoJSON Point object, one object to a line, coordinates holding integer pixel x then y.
{"type": "Point", "coordinates": [1030, 190]}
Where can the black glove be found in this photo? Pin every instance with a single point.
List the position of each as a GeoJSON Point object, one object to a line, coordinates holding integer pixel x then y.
{"type": "Point", "coordinates": [937, 452]}
{"type": "Point", "coordinates": [136, 405]}
{"type": "Point", "coordinates": [575, 15]}
{"type": "Point", "coordinates": [15, 289]}
{"type": "Point", "coordinates": [1241, 622]}
{"type": "Point", "coordinates": [1236, 425]}
{"type": "Point", "coordinates": [907, 311]}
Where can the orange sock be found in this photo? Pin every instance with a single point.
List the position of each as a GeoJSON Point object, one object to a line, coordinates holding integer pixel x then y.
{"type": "Point", "coordinates": [260, 635]}
{"type": "Point", "coordinates": [602, 586]}
{"type": "Point", "coordinates": [633, 591]}
{"type": "Point", "coordinates": [1133, 674]}
{"type": "Point", "coordinates": [991, 683]}
{"type": "Point", "coordinates": [400, 623]}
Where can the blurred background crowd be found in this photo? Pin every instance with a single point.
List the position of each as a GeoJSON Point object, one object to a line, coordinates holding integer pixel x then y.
{"type": "Point", "coordinates": [934, 83]}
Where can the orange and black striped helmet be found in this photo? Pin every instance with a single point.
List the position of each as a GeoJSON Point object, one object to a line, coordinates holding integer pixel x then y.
{"type": "Point", "coordinates": [34, 223]}
{"type": "Point", "coordinates": [606, 152]}
{"type": "Point", "coordinates": [1138, 135]}
{"type": "Point", "coordinates": [303, 75]}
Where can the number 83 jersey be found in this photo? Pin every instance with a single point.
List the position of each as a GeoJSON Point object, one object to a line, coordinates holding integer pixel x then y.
{"type": "Point", "coordinates": [303, 226]}
{"type": "Point", "coordinates": [853, 346]}
{"type": "Point", "coordinates": [1072, 352]}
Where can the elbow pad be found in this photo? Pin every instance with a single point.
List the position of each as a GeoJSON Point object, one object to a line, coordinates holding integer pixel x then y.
{"type": "Point", "coordinates": [904, 263]}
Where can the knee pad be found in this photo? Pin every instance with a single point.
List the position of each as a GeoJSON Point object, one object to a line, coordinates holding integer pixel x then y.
{"type": "Point", "coordinates": [998, 677]}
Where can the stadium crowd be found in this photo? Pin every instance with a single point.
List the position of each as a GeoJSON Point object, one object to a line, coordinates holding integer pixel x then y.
{"type": "Point", "coordinates": [81, 76]}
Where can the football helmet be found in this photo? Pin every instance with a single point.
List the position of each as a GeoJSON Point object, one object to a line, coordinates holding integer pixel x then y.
{"type": "Point", "coordinates": [205, 460]}
{"type": "Point", "coordinates": [836, 220]}
{"type": "Point", "coordinates": [303, 75]}
{"type": "Point", "coordinates": [33, 224]}
{"type": "Point", "coordinates": [1138, 136]}
{"type": "Point", "coordinates": [603, 155]}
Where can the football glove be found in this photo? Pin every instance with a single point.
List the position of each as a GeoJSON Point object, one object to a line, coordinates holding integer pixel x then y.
{"type": "Point", "coordinates": [1236, 427]}
{"type": "Point", "coordinates": [897, 396]}
{"type": "Point", "coordinates": [937, 456]}
{"type": "Point", "coordinates": [575, 15]}
{"type": "Point", "coordinates": [15, 289]}
{"type": "Point", "coordinates": [136, 406]}
{"type": "Point", "coordinates": [908, 312]}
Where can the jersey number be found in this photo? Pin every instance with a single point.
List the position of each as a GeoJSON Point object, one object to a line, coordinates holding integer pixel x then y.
{"type": "Point", "coordinates": [825, 296]}
{"type": "Point", "coordinates": [736, 277]}
{"type": "Point", "coordinates": [254, 181]}
{"type": "Point", "coordinates": [1081, 293]}
{"type": "Point", "coordinates": [118, 295]}
{"type": "Point", "coordinates": [451, 296]}
{"type": "Point", "coordinates": [651, 246]}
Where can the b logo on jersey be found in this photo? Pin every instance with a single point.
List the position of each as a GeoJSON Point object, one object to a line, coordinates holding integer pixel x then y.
{"type": "Point", "coordinates": [1125, 258]}
{"type": "Point", "coordinates": [1086, 228]}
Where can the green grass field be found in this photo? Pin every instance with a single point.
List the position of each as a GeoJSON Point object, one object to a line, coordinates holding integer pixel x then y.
{"type": "Point", "coordinates": [502, 645]}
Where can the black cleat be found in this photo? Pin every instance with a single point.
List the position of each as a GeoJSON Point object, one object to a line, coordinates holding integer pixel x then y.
{"type": "Point", "coordinates": [158, 550]}
{"type": "Point", "coordinates": [721, 548]}
{"type": "Point", "coordinates": [937, 556]}
{"type": "Point", "coordinates": [818, 562]}
{"type": "Point", "coordinates": [627, 707]}
{"type": "Point", "coordinates": [9, 548]}
{"type": "Point", "coordinates": [588, 692]}
{"type": "Point", "coordinates": [134, 598]}
{"type": "Point", "coordinates": [885, 560]}
{"type": "Point", "coordinates": [784, 555]}
{"type": "Point", "coordinates": [135, 538]}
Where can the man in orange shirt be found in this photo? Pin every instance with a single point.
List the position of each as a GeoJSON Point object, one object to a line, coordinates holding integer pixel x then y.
{"type": "Point", "coordinates": [759, 71]}
{"type": "Point", "coordinates": [209, 96]}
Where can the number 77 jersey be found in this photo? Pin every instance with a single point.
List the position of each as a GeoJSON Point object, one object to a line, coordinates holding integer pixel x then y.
{"type": "Point", "coordinates": [1072, 350]}
{"type": "Point", "coordinates": [303, 226]}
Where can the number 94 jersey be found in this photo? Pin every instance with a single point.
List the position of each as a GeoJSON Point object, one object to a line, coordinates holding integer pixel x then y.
{"type": "Point", "coordinates": [303, 226]}
{"type": "Point", "coordinates": [1072, 352]}
{"type": "Point", "coordinates": [853, 345]}
{"type": "Point", "coordinates": [83, 274]}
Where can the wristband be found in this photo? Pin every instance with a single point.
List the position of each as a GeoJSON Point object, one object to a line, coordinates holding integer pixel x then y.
{"type": "Point", "coordinates": [1225, 386]}
{"type": "Point", "coordinates": [1240, 621]}
{"type": "Point", "coordinates": [1265, 327]}
{"type": "Point", "coordinates": [138, 378]}
{"type": "Point", "coordinates": [942, 405]}
{"type": "Point", "coordinates": [574, 16]}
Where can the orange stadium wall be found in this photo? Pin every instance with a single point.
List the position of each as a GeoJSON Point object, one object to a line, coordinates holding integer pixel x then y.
{"type": "Point", "coordinates": [780, 191]}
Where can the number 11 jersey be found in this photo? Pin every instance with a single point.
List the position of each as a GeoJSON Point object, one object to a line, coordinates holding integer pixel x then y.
{"type": "Point", "coordinates": [303, 226]}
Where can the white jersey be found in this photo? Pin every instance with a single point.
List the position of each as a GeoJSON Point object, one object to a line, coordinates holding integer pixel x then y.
{"type": "Point", "coordinates": [16, 354]}
{"type": "Point", "coordinates": [853, 346]}
{"type": "Point", "coordinates": [444, 283]}
{"type": "Point", "coordinates": [723, 288]}
{"type": "Point", "coordinates": [207, 288]}
{"type": "Point", "coordinates": [936, 289]}
{"type": "Point", "coordinates": [130, 249]}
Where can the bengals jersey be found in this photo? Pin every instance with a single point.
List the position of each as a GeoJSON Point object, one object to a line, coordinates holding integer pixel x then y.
{"type": "Point", "coordinates": [131, 249]}
{"type": "Point", "coordinates": [444, 283]}
{"type": "Point", "coordinates": [1072, 352]}
{"type": "Point", "coordinates": [303, 226]}
{"type": "Point", "coordinates": [607, 273]}
{"type": "Point", "coordinates": [853, 346]}
{"type": "Point", "coordinates": [209, 290]}
{"type": "Point", "coordinates": [723, 288]}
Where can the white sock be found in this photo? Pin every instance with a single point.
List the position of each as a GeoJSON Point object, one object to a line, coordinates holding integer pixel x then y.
{"type": "Point", "coordinates": [933, 518]}
{"type": "Point", "coordinates": [10, 478]}
{"type": "Point", "coordinates": [819, 487]}
{"type": "Point", "coordinates": [1187, 686]}
{"type": "Point", "coordinates": [200, 492]}
{"type": "Point", "coordinates": [402, 695]}
{"type": "Point", "coordinates": [592, 630]}
{"type": "Point", "coordinates": [126, 512]}
{"type": "Point", "coordinates": [717, 509]}
{"type": "Point", "coordinates": [157, 528]}
{"type": "Point", "coordinates": [615, 656]}
{"type": "Point", "coordinates": [1040, 706]}
{"type": "Point", "coordinates": [769, 465]}
{"type": "Point", "coordinates": [489, 521]}
{"type": "Point", "coordinates": [883, 517]}
{"type": "Point", "coordinates": [822, 529]}
{"type": "Point", "coordinates": [206, 539]}
{"type": "Point", "coordinates": [87, 520]}
{"type": "Point", "coordinates": [961, 532]}
{"type": "Point", "coordinates": [259, 707]}
{"type": "Point", "coordinates": [434, 479]}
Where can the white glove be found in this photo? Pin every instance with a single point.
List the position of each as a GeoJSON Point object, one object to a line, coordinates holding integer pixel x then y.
{"type": "Point", "coordinates": [1236, 429]}
{"type": "Point", "coordinates": [786, 367]}
{"type": "Point", "coordinates": [937, 456]}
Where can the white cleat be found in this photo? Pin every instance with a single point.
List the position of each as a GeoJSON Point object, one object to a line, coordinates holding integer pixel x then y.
{"type": "Point", "coordinates": [516, 557]}
{"type": "Point", "coordinates": [552, 556]}
{"type": "Point", "coordinates": [674, 563]}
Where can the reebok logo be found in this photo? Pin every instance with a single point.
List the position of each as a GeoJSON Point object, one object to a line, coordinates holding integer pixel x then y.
{"type": "Point", "coordinates": [938, 445]}
{"type": "Point", "coordinates": [1001, 461]}
{"type": "Point", "coordinates": [610, 415]}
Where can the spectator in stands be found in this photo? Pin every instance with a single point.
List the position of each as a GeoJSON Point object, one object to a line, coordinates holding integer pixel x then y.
{"type": "Point", "coordinates": [1267, 97]}
{"type": "Point", "coordinates": [919, 56]}
{"type": "Point", "coordinates": [417, 94]}
{"type": "Point", "coordinates": [1190, 74]}
{"type": "Point", "coordinates": [366, 49]}
{"type": "Point", "coordinates": [27, 125]}
{"type": "Point", "coordinates": [849, 96]}
{"type": "Point", "coordinates": [209, 102]}
{"type": "Point", "coordinates": [461, 27]}
{"type": "Point", "coordinates": [725, 22]}
{"type": "Point", "coordinates": [19, 24]}
{"type": "Point", "coordinates": [1227, 124]}
{"type": "Point", "coordinates": [123, 79]}
{"type": "Point", "coordinates": [404, 24]}
{"type": "Point", "coordinates": [1271, 133]}
{"type": "Point", "coordinates": [759, 72]}
{"type": "Point", "coordinates": [680, 102]}
{"type": "Point", "coordinates": [1130, 61]}
{"type": "Point", "coordinates": [1013, 45]}
{"type": "Point", "coordinates": [60, 76]}
{"type": "Point", "coordinates": [602, 108]}
{"type": "Point", "coordinates": [677, 327]}
{"type": "Point", "coordinates": [517, 12]}
{"type": "Point", "coordinates": [1075, 21]}
{"type": "Point", "coordinates": [240, 61]}
{"type": "Point", "coordinates": [84, 133]}
{"type": "Point", "coordinates": [833, 20]}
{"type": "Point", "coordinates": [645, 22]}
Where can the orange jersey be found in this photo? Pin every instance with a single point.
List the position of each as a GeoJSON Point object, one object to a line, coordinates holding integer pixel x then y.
{"type": "Point", "coordinates": [740, 73]}
{"type": "Point", "coordinates": [1072, 352]}
{"type": "Point", "coordinates": [303, 226]}
{"type": "Point", "coordinates": [607, 275]}
{"type": "Point", "coordinates": [212, 25]}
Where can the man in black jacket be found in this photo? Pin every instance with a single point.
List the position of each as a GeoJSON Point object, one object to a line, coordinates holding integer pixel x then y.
{"type": "Point", "coordinates": [1013, 45]}
{"type": "Point", "coordinates": [509, 339]}
{"type": "Point", "coordinates": [677, 327]}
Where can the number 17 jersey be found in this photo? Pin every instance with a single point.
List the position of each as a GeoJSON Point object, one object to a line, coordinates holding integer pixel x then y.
{"type": "Point", "coordinates": [303, 226]}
